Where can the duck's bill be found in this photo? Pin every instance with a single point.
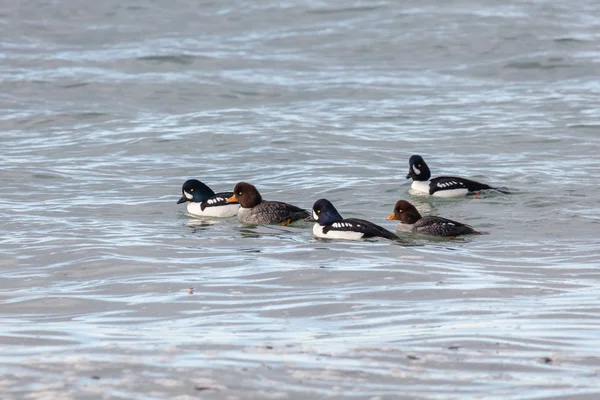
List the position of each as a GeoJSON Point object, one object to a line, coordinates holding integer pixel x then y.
{"type": "Point", "coordinates": [183, 199]}
{"type": "Point", "coordinates": [410, 174]}
{"type": "Point", "coordinates": [310, 218]}
{"type": "Point", "coordinates": [392, 216]}
{"type": "Point", "coordinates": [232, 199]}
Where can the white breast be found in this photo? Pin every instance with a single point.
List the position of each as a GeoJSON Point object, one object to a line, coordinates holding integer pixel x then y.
{"type": "Point", "coordinates": [332, 234]}
{"type": "Point", "coordinates": [420, 187]}
{"type": "Point", "coordinates": [224, 211]}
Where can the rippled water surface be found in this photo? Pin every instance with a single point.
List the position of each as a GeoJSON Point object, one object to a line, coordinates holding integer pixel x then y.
{"type": "Point", "coordinates": [108, 289]}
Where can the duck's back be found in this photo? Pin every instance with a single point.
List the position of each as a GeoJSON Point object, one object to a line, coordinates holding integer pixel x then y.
{"type": "Point", "coordinates": [438, 226]}
{"type": "Point", "coordinates": [370, 229]}
{"type": "Point", "coordinates": [272, 212]}
{"type": "Point", "coordinates": [451, 186]}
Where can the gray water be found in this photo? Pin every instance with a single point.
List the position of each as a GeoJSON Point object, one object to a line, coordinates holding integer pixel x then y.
{"type": "Point", "coordinates": [109, 290]}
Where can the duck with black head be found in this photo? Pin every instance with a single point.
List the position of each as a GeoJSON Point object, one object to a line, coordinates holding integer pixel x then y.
{"type": "Point", "coordinates": [442, 186]}
{"type": "Point", "coordinates": [331, 225]}
{"type": "Point", "coordinates": [203, 202]}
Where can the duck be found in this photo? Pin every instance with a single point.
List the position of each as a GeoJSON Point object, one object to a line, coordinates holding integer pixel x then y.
{"type": "Point", "coordinates": [204, 202]}
{"type": "Point", "coordinates": [255, 210]}
{"type": "Point", "coordinates": [412, 221]}
{"type": "Point", "coordinates": [331, 225]}
{"type": "Point", "coordinates": [442, 186]}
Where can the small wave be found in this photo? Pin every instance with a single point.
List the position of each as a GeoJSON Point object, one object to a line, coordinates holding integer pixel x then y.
{"type": "Point", "coordinates": [569, 40]}
{"type": "Point", "coordinates": [182, 59]}
{"type": "Point", "coordinates": [325, 11]}
{"type": "Point", "coordinates": [535, 65]}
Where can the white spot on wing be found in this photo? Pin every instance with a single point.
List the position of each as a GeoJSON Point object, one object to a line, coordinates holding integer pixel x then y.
{"type": "Point", "coordinates": [450, 184]}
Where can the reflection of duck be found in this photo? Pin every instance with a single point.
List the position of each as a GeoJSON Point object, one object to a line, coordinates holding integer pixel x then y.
{"type": "Point", "coordinates": [442, 186]}
{"type": "Point", "coordinates": [255, 210]}
{"type": "Point", "coordinates": [201, 222]}
{"type": "Point", "coordinates": [331, 225]}
{"type": "Point", "coordinates": [202, 201]}
{"type": "Point", "coordinates": [412, 221]}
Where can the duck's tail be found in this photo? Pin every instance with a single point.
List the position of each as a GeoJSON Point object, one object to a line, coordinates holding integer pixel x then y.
{"type": "Point", "coordinates": [501, 190]}
{"type": "Point", "coordinates": [309, 218]}
{"type": "Point", "coordinates": [478, 233]}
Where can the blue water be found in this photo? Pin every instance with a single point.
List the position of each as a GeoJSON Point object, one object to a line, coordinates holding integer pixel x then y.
{"type": "Point", "coordinates": [109, 290]}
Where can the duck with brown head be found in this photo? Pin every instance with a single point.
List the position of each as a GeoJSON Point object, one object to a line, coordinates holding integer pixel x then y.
{"type": "Point", "coordinates": [412, 221]}
{"type": "Point", "coordinates": [255, 210]}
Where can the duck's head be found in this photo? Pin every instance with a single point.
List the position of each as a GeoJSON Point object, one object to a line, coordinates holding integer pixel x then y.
{"type": "Point", "coordinates": [195, 191]}
{"type": "Point", "coordinates": [245, 194]}
{"type": "Point", "coordinates": [405, 212]}
{"type": "Point", "coordinates": [325, 213]}
{"type": "Point", "coordinates": [418, 169]}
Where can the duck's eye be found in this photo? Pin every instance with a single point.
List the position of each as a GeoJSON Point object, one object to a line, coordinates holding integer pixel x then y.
{"type": "Point", "coordinates": [239, 193]}
{"type": "Point", "coordinates": [191, 190]}
{"type": "Point", "coordinates": [399, 210]}
{"type": "Point", "coordinates": [418, 165]}
{"type": "Point", "coordinates": [318, 211]}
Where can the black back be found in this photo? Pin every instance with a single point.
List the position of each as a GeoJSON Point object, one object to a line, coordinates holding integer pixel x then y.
{"type": "Point", "coordinates": [453, 182]}
{"type": "Point", "coordinates": [439, 226]}
{"type": "Point", "coordinates": [368, 228]}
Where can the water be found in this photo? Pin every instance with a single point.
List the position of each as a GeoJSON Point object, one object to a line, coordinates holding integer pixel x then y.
{"type": "Point", "coordinates": [109, 290]}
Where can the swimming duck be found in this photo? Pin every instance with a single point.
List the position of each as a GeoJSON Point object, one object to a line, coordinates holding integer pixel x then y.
{"type": "Point", "coordinates": [331, 225]}
{"type": "Point", "coordinates": [442, 186]}
{"type": "Point", "coordinates": [255, 210]}
{"type": "Point", "coordinates": [412, 221]}
{"type": "Point", "coordinates": [202, 201]}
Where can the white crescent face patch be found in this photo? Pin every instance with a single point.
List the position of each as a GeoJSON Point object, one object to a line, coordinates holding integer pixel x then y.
{"type": "Point", "coordinates": [315, 215]}
{"type": "Point", "coordinates": [416, 170]}
{"type": "Point", "coordinates": [187, 195]}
